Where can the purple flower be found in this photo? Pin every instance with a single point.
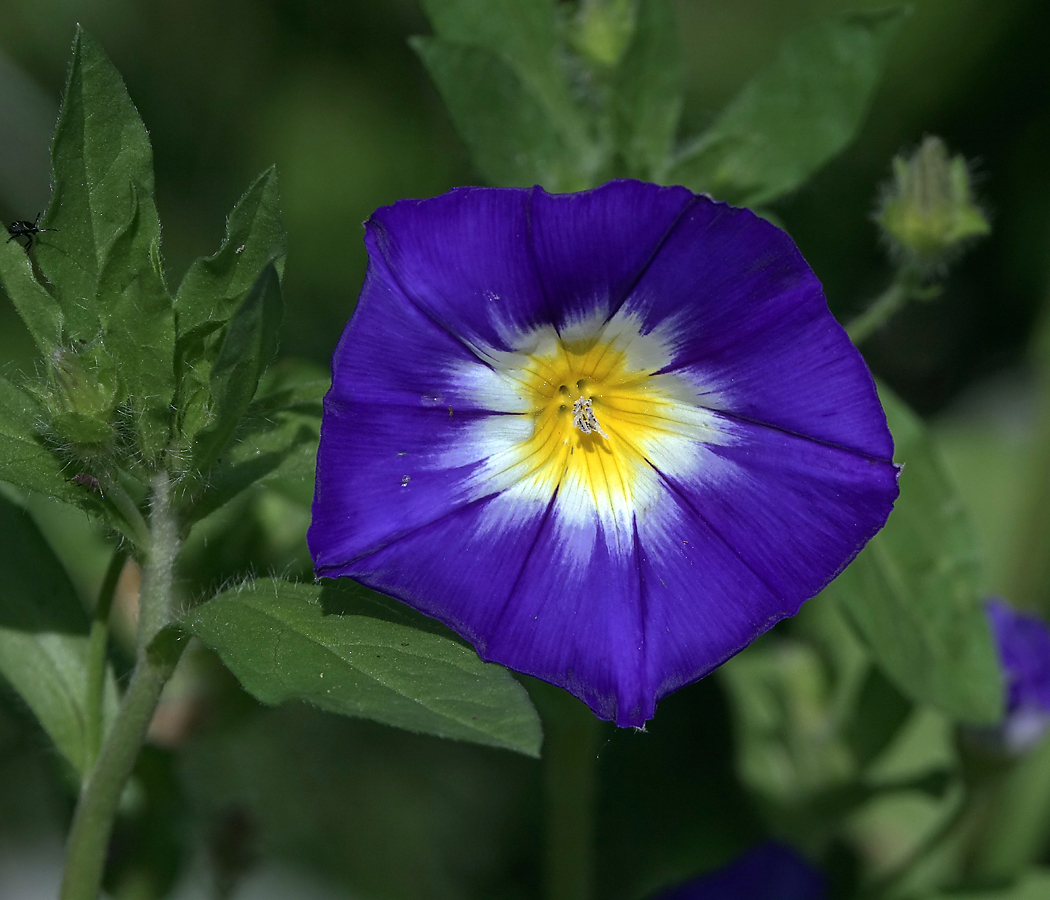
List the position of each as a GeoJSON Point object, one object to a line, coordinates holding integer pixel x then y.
{"type": "Point", "coordinates": [1024, 651]}
{"type": "Point", "coordinates": [608, 437]}
{"type": "Point", "coordinates": [768, 872]}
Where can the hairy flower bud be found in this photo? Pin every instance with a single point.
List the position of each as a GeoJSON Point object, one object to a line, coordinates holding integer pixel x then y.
{"type": "Point", "coordinates": [83, 395]}
{"type": "Point", "coordinates": [602, 29]}
{"type": "Point", "coordinates": [928, 210]}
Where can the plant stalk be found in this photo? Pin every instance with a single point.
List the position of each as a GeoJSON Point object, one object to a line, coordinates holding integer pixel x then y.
{"type": "Point", "coordinates": [102, 788]}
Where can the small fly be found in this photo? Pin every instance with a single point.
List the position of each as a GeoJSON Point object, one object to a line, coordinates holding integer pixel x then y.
{"type": "Point", "coordinates": [28, 230]}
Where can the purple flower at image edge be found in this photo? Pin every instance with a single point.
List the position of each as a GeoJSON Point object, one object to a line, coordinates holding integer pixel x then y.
{"type": "Point", "coordinates": [769, 871]}
{"type": "Point", "coordinates": [608, 437]}
{"type": "Point", "coordinates": [1023, 641]}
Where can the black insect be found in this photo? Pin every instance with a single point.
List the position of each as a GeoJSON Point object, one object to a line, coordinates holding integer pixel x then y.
{"type": "Point", "coordinates": [28, 230]}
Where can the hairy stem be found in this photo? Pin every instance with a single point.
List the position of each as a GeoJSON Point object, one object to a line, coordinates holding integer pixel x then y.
{"type": "Point", "coordinates": [100, 793]}
{"type": "Point", "coordinates": [97, 655]}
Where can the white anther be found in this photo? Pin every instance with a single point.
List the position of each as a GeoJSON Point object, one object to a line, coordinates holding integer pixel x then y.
{"type": "Point", "coordinates": [583, 417]}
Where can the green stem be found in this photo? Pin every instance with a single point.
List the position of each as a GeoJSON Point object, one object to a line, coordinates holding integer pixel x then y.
{"type": "Point", "coordinates": [570, 786]}
{"type": "Point", "coordinates": [156, 660]}
{"type": "Point", "coordinates": [113, 491]}
{"type": "Point", "coordinates": [97, 655]}
{"type": "Point", "coordinates": [882, 309]}
{"type": "Point", "coordinates": [93, 820]}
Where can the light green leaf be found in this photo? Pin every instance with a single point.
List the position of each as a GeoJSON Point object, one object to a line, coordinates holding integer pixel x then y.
{"type": "Point", "coordinates": [351, 651]}
{"type": "Point", "coordinates": [101, 161]}
{"type": "Point", "coordinates": [913, 591]}
{"type": "Point", "coordinates": [44, 636]}
{"type": "Point", "coordinates": [38, 309]}
{"type": "Point", "coordinates": [140, 332]}
{"type": "Point", "coordinates": [794, 116]}
{"type": "Point", "coordinates": [509, 134]}
{"type": "Point", "coordinates": [648, 96]}
{"type": "Point", "coordinates": [248, 347]}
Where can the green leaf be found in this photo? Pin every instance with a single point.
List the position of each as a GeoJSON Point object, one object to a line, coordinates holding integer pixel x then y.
{"type": "Point", "coordinates": [248, 347]}
{"type": "Point", "coordinates": [215, 285]}
{"type": "Point", "coordinates": [510, 136]}
{"type": "Point", "coordinates": [913, 591]}
{"type": "Point", "coordinates": [140, 334]}
{"type": "Point", "coordinates": [794, 116]}
{"type": "Point", "coordinates": [38, 309]}
{"type": "Point", "coordinates": [351, 651]}
{"type": "Point", "coordinates": [524, 36]}
{"type": "Point", "coordinates": [648, 95]}
{"type": "Point", "coordinates": [44, 636]}
{"type": "Point", "coordinates": [101, 161]}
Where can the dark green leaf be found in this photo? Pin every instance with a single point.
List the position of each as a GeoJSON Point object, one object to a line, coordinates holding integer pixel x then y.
{"type": "Point", "coordinates": [878, 715]}
{"type": "Point", "coordinates": [213, 286]}
{"type": "Point", "coordinates": [101, 161]}
{"type": "Point", "coordinates": [913, 591]}
{"type": "Point", "coordinates": [511, 138]}
{"type": "Point", "coordinates": [140, 334]}
{"type": "Point", "coordinates": [794, 116]}
{"type": "Point", "coordinates": [354, 652]}
{"type": "Point", "coordinates": [44, 636]}
{"type": "Point", "coordinates": [248, 347]}
{"type": "Point", "coordinates": [38, 309]}
{"type": "Point", "coordinates": [648, 95]}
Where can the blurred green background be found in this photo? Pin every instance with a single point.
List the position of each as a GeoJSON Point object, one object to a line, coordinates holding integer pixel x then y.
{"type": "Point", "coordinates": [333, 95]}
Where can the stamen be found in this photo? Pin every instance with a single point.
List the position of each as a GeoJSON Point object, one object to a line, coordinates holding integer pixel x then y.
{"type": "Point", "coordinates": [583, 417]}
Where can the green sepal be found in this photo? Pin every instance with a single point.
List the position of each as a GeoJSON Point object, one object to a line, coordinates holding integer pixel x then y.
{"type": "Point", "coordinates": [248, 346]}
{"type": "Point", "coordinates": [102, 163]}
{"type": "Point", "coordinates": [44, 638]}
{"type": "Point", "coordinates": [913, 592]}
{"type": "Point", "coordinates": [795, 115]}
{"type": "Point", "coordinates": [354, 652]}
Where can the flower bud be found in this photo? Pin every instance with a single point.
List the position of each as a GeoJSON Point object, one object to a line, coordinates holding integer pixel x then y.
{"type": "Point", "coordinates": [602, 30]}
{"type": "Point", "coordinates": [928, 211]}
{"type": "Point", "coordinates": [83, 395]}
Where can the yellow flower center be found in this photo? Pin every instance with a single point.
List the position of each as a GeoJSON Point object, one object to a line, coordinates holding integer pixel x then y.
{"type": "Point", "coordinates": [594, 417]}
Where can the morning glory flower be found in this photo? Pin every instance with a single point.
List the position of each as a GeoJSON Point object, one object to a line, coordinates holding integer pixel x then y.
{"type": "Point", "coordinates": [1023, 641]}
{"type": "Point", "coordinates": [770, 871]}
{"type": "Point", "coordinates": [608, 437]}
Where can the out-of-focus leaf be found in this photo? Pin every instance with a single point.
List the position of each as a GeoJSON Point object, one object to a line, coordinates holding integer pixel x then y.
{"type": "Point", "coordinates": [101, 161]}
{"type": "Point", "coordinates": [1031, 885]}
{"type": "Point", "coordinates": [248, 347]}
{"type": "Point", "coordinates": [510, 135]}
{"type": "Point", "coordinates": [794, 116]}
{"type": "Point", "coordinates": [44, 636]}
{"type": "Point", "coordinates": [351, 651]}
{"type": "Point", "coordinates": [786, 722]}
{"type": "Point", "coordinates": [913, 591]}
{"type": "Point", "coordinates": [38, 309]}
{"type": "Point", "coordinates": [524, 36]}
{"type": "Point", "coordinates": [648, 96]}
{"type": "Point", "coordinates": [140, 333]}
{"type": "Point", "coordinates": [878, 715]}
